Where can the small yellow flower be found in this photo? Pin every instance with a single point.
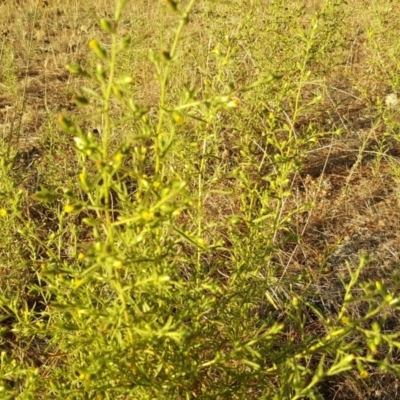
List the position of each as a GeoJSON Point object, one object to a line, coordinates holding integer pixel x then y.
{"type": "Point", "coordinates": [81, 256]}
{"type": "Point", "coordinates": [346, 320]}
{"type": "Point", "coordinates": [69, 208]}
{"type": "Point", "coordinates": [147, 215]}
{"type": "Point", "coordinates": [117, 92]}
{"type": "Point", "coordinates": [78, 282]}
{"type": "Point", "coordinates": [388, 298]}
{"type": "Point", "coordinates": [201, 242]}
{"type": "Point", "coordinates": [84, 377]}
{"type": "Point", "coordinates": [3, 212]}
{"type": "Point", "coordinates": [234, 103]}
{"type": "Point", "coordinates": [178, 118]}
{"type": "Point", "coordinates": [127, 80]}
{"type": "Point", "coordinates": [64, 122]}
{"type": "Point", "coordinates": [118, 157]}
{"type": "Point", "coordinates": [97, 48]}
{"type": "Point", "coordinates": [83, 180]}
{"type": "Point", "coordinates": [364, 374]}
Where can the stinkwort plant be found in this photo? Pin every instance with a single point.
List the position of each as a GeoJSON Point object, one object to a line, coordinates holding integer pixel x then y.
{"type": "Point", "coordinates": [160, 300]}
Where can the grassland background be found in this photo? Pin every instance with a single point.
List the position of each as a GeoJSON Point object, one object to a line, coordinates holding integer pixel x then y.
{"type": "Point", "coordinates": [289, 182]}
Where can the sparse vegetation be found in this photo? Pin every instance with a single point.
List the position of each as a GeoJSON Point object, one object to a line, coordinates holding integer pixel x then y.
{"type": "Point", "coordinates": [203, 204]}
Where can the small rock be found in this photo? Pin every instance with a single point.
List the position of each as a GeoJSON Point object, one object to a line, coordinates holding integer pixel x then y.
{"type": "Point", "coordinates": [392, 101]}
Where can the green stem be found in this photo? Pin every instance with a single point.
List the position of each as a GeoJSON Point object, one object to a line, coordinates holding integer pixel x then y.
{"type": "Point", "coordinates": [107, 96]}
{"type": "Point", "coordinates": [164, 81]}
{"type": "Point", "coordinates": [106, 135]}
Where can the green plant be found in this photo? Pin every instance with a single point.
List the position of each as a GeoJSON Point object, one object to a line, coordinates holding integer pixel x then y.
{"type": "Point", "coordinates": [158, 272]}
